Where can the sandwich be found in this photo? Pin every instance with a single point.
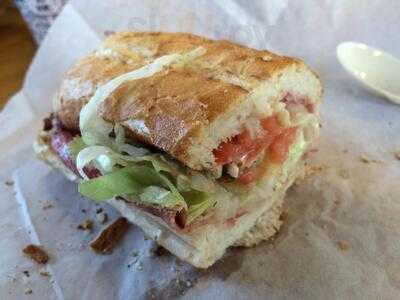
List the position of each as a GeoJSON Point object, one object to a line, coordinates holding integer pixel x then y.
{"type": "Point", "coordinates": [193, 140]}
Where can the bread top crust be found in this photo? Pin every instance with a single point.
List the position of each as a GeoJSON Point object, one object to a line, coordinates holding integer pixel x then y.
{"type": "Point", "coordinates": [168, 109]}
{"type": "Point", "coordinates": [81, 82]}
{"type": "Point", "coordinates": [126, 51]}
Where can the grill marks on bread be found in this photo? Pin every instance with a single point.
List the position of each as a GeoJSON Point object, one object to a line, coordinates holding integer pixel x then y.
{"type": "Point", "coordinates": [123, 52]}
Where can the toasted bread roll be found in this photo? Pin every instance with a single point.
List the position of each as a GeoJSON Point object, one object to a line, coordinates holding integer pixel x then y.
{"type": "Point", "coordinates": [186, 111]}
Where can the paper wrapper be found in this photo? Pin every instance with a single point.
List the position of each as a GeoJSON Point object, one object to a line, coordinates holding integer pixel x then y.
{"type": "Point", "coordinates": [341, 237]}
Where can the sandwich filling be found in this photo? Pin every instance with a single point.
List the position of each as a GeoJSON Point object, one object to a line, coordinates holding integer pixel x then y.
{"type": "Point", "coordinates": [266, 143]}
{"type": "Point", "coordinates": [155, 182]}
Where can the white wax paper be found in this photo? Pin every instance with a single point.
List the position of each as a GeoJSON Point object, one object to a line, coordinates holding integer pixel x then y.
{"type": "Point", "coordinates": [341, 238]}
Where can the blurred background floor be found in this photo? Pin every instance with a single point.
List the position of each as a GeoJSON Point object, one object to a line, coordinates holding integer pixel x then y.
{"type": "Point", "coordinates": [16, 50]}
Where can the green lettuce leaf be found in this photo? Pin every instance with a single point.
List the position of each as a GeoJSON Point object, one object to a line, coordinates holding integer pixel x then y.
{"type": "Point", "coordinates": [198, 203]}
{"type": "Point", "coordinates": [160, 196]}
{"type": "Point", "coordinates": [150, 179]}
{"type": "Point", "coordinates": [138, 181]}
{"type": "Point", "coordinates": [111, 185]}
{"type": "Point", "coordinates": [75, 146]}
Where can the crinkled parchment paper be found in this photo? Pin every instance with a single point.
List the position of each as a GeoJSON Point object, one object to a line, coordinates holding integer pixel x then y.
{"type": "Point", "coordinates": [341, 238]}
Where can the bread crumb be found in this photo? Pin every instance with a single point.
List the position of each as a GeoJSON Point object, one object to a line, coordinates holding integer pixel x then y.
{"type": "Point", "coordinates": [344, 245]}
{"type": "Point", "coordinates": [36, 253]}
{"type": "Point", "coordinates": [110, 236]}
{"type": "Point", "coordinates": [314, 170]}
{"type": "Point", "coordinates": [28, 291]}
{"type": "Point", "coordinates": [101, 217]}
{"type": "Point", "coordinates": [44, 273]}
{"type": "Point", "coordinates": [367, 160]}
{"type": "Point", "coordinates": [48, 206]}
{"type": "Point", "coordinates": [397, 155]}
{"type": "Point", "coordinates": [344, 174]}
{"type": "Point", "coordinates": [157, 250]}
{"type": "Point", "coordinates": [9, 183]}
{"type": "Point", "coordinates": [139, 266]}
{"type": "Point", "coordinates": [87, 225]}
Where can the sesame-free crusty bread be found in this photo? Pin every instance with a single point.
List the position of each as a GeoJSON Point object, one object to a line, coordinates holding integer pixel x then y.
{"type": "Point", "coordinates": [186, 111]}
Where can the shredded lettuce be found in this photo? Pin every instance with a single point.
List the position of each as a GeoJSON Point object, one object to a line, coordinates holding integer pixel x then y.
{"type": "Point", "coordinates": [145, 179]}
{"type": "Point", "coordinates": [159, 196]}
{"type": "Point", "coordinates": [111, 185]}
{"type": "Point", "coordinates": [183, 183]}
{"type": "Point", "coordinates": [76, 146]}
{"type": "Point", "coordinates": [294, 155]}
{"type": "Point", "coordinates": [198, 203]}
{"type": "Point", "coordinates": [139, 181]}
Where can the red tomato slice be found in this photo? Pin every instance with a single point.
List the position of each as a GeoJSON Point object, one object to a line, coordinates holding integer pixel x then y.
{"type": "Point", "coordinates": [244, 140]}
{"type": "Point", "coordinates": [225, 153]}
{"type": "Point", "coordinates": [246, 177]}
{"type": "Point", "coordinates": [279, 149]}
{"type": "Point", "coordinates": [272, 125]}
{"type": "Point", "coordinates": [235, 149]}
{"type": "Point", "coordinates": [245, 150]}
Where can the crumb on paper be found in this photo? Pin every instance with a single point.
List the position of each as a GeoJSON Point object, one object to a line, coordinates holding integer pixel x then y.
{"type": "Point", "coordinates": [139, 266]}
{"type": "Point", "coordinates": [26, 273]}
{"type": "Point", "coordinates": [44, 273]}
{"type": "Point", "coordinates": [101, 217]}
{"type": "Point", "coordinates": [397, 155]}
{"type": "Point", "coordinates": [36, 253]}
{"type": "Point", "coordinates": [28, 291]}
{"type": "Point", "coordinates": [47, 206]}
{"type": "Point", "coordinates": [188, 283]}
{"type": "Point", "coordinates": [87, 225]}
{"type": "Point", "coordinates": [343, 245]}
{"type": "Point", "coordinates": [314, 170]}
{"type": "Point", "coordinates": [110, 236]}
{"type": "Point", "coordinates": [9, 183]}
{"type": "Point", "coordinates": [157, 250]}
{"type": "Point", "coordinates": [365, 159]}
{"type": "Point", "coordinates": [344, 174]}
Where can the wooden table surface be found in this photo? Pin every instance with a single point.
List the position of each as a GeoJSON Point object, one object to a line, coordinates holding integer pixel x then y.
{"type": "Point", "coordinates": [16, 50]}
